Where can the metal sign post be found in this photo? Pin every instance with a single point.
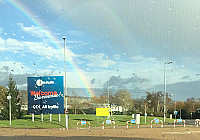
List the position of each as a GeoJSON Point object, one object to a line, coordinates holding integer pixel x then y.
{"type": "Point", "coordinates": [58, 117]}
{"type": "Point", "coordinates": [66, 119]}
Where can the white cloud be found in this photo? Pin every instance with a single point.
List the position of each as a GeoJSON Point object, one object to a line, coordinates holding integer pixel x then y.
{"type": "Point", "coordinates": [2, 45]}
{"type": "Point", "coordinates": [13, 67]}
{"type": "Point", "coordinates": [144, 68]}
{"type": "Point", "coordinates": [98, 60]}
{"type": "Point", "coordinates": [38, 48]}
{"type": "Point", "coordinates": [34, 31]}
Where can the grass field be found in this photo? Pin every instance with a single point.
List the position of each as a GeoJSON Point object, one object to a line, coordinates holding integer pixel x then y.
{"type": "Point", "coordinates": [26, 121]}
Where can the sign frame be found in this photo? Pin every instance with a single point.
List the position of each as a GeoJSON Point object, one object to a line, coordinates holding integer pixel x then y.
{"type": "Point", "coordinates": [45, 95]}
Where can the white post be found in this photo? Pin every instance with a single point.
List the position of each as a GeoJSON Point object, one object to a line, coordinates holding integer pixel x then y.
{"type": "Point", "coordinates": [89, 124]}
{"type": "Point", "coordinates": [184, 123]}
{"type": "Point", "coordinates": [127, 124]}
{"type": "Point", "coordinates": [50, 119]}
{"type": "Point", "coordinates": [138, 118]}
{"type": "Point", "coordinates": [10, 109]}
{"type": "Point", "coordinates": [108, 84]}
{"type": "Point", "coordinates": [197, 122]}
{"type": "Point", "coordinates": [114, 124]}
{"type": "Point", "coordinates": [58, 117]}
{"type": "Point", "coordinates": [77, 125]}
{"type": "Point", "coordinates": [41, 117]}
{"type": "Point", "coordinates": [174, 122]}
{"type": "Point", "coordinates": [9, 98]}
{"type": "Point", "coordinates": [170, 116]}
{"type": "Point", "coordinates": [66, 116]}
{"type": "Point", "coordinates": [164, 93]}
{"type": "Point", "coordinates": [32, 117]}
{"type": "Point", "coordinates": [165, 90]}
{"type": "Point", "coordinates": [103, 125]}
{"type": "Point", "coordinates": [151, 123]}
{"type": "Point", "coordinates": [161, 123]}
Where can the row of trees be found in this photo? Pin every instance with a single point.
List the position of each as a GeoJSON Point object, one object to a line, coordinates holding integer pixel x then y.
{"type": "Point", "coordinates": [15, 100]}
{"type": "Point", "coordinates": [152, 103]}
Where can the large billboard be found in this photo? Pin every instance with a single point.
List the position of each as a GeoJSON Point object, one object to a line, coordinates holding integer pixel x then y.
{"type": "Point", "coordinates": [45, 95]}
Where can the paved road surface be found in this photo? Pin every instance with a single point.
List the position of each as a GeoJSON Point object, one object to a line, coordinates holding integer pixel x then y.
{"type": "Point", "coordinates": [67, 138]}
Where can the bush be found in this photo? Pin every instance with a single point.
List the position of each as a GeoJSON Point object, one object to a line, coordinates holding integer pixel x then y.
{"type": "Point", "coordinates": [160, 114]}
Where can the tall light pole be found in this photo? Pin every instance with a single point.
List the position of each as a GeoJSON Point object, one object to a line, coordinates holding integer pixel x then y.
{"type": "Point", "coordinates": [9, 98]}
{"type": "Point", "coordinates": [165, 89]}
{"type": "Point", "coordinates": [108, 82]}
{"type": "Point", "coordinates": [65, 89]}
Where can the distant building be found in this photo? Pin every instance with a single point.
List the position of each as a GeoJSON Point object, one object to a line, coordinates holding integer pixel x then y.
{"type": "Point", "coordinates": [116, 108]}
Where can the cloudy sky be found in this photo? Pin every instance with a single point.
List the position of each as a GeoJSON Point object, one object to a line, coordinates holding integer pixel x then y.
{"type": "Point", "coordinates": [138, 37]}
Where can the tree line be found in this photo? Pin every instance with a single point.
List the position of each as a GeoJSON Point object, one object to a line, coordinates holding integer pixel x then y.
{"type": "Point", "coordinates": [152, 103]}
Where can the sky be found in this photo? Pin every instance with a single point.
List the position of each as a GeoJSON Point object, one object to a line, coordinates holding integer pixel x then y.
{"type": "Point", "coordinates": [126, 43]}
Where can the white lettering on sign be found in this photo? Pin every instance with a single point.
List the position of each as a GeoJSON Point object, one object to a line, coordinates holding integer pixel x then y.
{"type": "Point", "coordinates": [39, 82]}
{"type": "Point", "coordinates": [38, 97]}
{"type": "Point", "coordinates": [36, 107]}
{"type": "Point", "coordinates": [45, 107]}
{"type": "Point", "coordinates": [53, 106]}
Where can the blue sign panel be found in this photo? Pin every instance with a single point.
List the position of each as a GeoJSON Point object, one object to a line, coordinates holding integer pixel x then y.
{"type": "Point", "coordinates": [108, 121]}
{"type": "Point", "coordinates": [83, 122]}
{"type": "Point", "coordinates": [156, 120]}
{"type": "Point", "coordinates": [179, 120]}
{"type": "Point", "coordinates": [132, 121]}
{"type": "Point", "coordinates": [175, 112]}
{"type": "Point", "coordinates": [45, 95]}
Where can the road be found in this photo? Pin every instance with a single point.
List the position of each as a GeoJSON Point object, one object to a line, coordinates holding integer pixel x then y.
{"type": "Point", "coordinates": [67, 138]}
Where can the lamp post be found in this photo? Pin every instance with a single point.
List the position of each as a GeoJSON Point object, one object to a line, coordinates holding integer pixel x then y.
{"type": "Point", "coordinates": [165, 89]}
{"type": "Point", "coordinates": [9, 98]}
{"type": "Point", "coordinates": [175, 108]}
{"type": "Point", "coordinates": [65, 89]}
{"type": "Point", "coordinates": [108, 82]}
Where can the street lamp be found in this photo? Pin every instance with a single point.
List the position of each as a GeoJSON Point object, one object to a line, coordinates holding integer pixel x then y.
{"type": "Point", "coordinates": [65, 90]}
{"type": "Point", "coordinates": [165, 89]}
{"type": "Point", "coordinates": [9, 98]}
{"type": "Point", "coordinates": [108, 82]}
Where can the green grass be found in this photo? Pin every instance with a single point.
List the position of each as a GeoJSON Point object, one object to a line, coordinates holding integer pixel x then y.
{"type": "Point", "coordinates": [26, 121]}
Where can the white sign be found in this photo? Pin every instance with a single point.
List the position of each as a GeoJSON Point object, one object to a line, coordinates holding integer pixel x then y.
{"type": "Point", "coordinates": [138, 118]}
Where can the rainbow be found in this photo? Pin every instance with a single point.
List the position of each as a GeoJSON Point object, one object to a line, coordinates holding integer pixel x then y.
{"type": "Point", "coordinates": [28, 14]}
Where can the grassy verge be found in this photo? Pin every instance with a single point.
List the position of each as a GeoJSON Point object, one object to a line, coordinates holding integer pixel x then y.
{"type": "Point", "coordinates": [26, 121]}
